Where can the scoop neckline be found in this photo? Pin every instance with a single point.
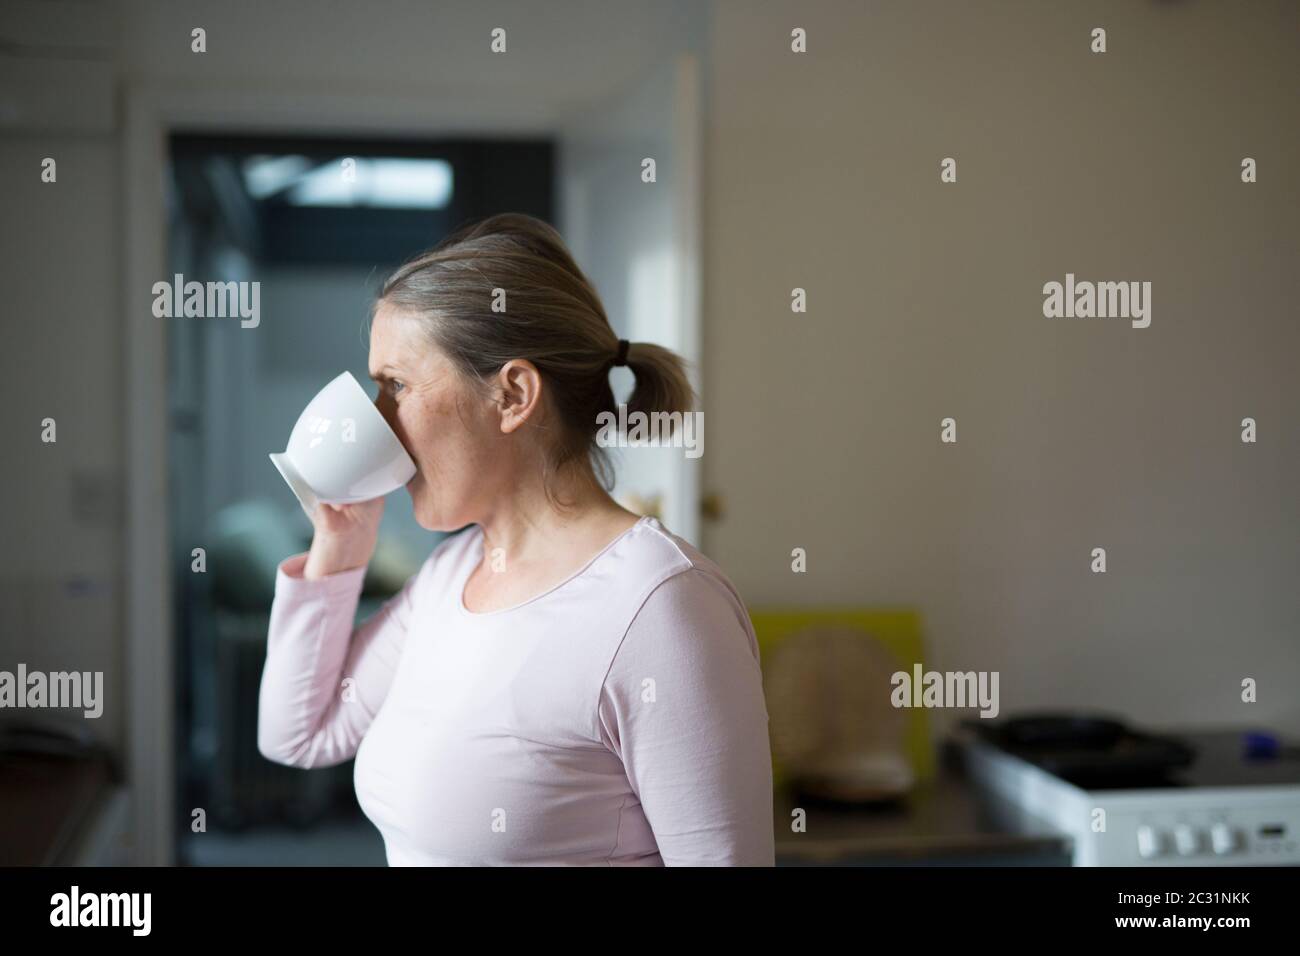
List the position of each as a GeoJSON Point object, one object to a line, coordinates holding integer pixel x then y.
{"type": "Point", "coordinates": [478, 531]}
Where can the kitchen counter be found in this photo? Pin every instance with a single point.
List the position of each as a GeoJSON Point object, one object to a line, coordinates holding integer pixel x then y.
{"type": "Point", "coordinates": [59, 809]}
{"type": "Point", "coordinates": [944, 822]}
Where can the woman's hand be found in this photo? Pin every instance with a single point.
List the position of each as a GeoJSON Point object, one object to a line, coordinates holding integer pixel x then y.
{"type": "Point", "coordinates": [345, 537]}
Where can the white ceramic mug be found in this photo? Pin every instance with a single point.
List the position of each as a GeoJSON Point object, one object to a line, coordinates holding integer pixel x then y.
{"type": "Point", "coordinates": [341, 450]}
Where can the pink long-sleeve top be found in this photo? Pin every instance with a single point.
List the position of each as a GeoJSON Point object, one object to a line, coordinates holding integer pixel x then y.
{"type": "Point", "coordinates": [618, 719]}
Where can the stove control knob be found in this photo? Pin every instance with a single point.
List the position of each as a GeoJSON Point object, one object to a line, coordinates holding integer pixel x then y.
{"type": "Point", "coordinates": [1224, 839]}
{"type": "Point", "coordinates": [1187, 840]}
{"type": "Point", "coordinates": [1150, 843]}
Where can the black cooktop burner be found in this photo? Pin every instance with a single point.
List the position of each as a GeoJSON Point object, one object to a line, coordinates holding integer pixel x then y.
{"type": "Point", "coordinates": [1101, 753]}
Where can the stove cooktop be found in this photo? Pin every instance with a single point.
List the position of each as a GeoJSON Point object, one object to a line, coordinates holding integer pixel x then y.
{"type": "Point", "coordinates": [1129, 798]}
{"type": "Point", "coordinates": [1102, 754]}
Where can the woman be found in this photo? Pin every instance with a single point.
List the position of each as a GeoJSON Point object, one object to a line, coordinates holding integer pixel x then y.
{"type": "Point", "coordinates": [563, 682]}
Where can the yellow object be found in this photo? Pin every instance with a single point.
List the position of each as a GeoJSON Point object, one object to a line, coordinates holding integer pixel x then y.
{"type": "Point", "coordinates": [898, 631]}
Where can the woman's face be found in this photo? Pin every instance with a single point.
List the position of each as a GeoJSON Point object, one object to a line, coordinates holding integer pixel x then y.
{"type": "Point", "coordinates": [452, 431]}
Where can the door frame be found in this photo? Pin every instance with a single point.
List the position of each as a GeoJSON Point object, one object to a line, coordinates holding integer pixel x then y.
{"type": "Point", "coordinates": [685, 132]}
{"type": "Point", "coordinates": [688, 139]}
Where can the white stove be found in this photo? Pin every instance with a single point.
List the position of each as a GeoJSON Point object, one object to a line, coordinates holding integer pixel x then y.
{"type": "Point", "coordinates": [1221, 808]}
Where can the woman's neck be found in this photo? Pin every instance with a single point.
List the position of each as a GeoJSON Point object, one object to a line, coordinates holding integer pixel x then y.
{"type": "Point", "coordinates": [529, 527]}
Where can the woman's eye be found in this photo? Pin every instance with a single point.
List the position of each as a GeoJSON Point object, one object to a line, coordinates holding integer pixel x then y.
{"type": "Point", "coordinates": [395, 385]}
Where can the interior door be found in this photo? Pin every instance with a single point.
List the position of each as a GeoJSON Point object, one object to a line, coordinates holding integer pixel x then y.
{"type": "Point", "coordinates": [639, 242]}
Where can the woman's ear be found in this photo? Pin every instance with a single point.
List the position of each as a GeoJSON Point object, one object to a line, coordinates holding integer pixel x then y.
{"type": "Point", "coordinates": [520, 393]}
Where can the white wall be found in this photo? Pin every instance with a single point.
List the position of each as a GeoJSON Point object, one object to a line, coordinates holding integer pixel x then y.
{"type": "Point", "coordinates": [60, 568]}
{"type": "Point", "coordinates": [61, 524]}
{"type": "Point", "coordinates": [925, 301]}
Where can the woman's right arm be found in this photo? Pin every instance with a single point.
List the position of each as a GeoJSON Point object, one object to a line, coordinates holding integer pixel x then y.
{"type": "Point", "coordinates": [324, 682]}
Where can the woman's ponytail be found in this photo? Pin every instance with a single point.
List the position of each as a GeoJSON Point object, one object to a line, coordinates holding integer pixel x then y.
{"type": "Point", "coordinates": [661, 381]}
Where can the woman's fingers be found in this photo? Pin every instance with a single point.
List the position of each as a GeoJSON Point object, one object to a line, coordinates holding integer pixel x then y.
{"type": "Point", "coordinates": [342, 519]}
{"type": "Point", "coordinates": [345, 536]}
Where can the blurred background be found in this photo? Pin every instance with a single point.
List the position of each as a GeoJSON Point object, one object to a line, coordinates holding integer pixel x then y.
{"type": "Point", "coordinates": [775, 171]}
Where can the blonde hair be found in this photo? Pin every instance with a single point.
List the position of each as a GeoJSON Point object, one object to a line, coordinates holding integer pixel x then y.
{"type": "Point", "coordinates": [553, 318]}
